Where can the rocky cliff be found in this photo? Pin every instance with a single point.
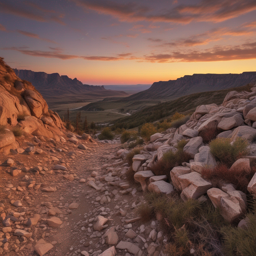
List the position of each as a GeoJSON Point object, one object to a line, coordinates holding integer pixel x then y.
{"type": "Point", "coordinates": [23, 107]}
{"type": "Point", "coordinates": [192, 84]}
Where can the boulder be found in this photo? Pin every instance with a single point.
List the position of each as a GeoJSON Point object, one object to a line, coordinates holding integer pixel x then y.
{"type": "Point", "coordinates": [225, 134]}
{"type": "Point", "coordinates": [157, 178]}
{"type": "Point", "coordinates": [175, 173]}
{"type": "Point", "coordinates": [230, 207]}
{"type": "Point", "coordinates": [155, 137]}
{"type": "Point", "coordinates": [202, 110]}
{"type": "Point", "coordinates": [160, 186]}
{"type": "Point", "coordinates": [163, 149]}
{"type": "Point", "coordinates": [193, 185]}
{"type": "Point", "coordinates": [205, 157]}
{"type": "Point", "coordinates": [242, 164]}
{"type": "Point", "coordinates": [42, 247]}
{"type": "Point", "coordinates": [190, 133]}
{"type": "Point", "coordinates": [197, 167]}
{"type": "Point", "coordinates": [193, 146]}
{"type": "Point", "coordinates": [227, 123]}
{"type": "Point", "coordinates": [6, 138]}
{"type": "Point", "coordinates": [109, 252]}
{"type": "Point", "coordinates": [137, 161]}
{"type": "Point", "coordinates": [251, 114]}
{"type": "Point", "coordinates": [142, 178]}
{"type": "Point", "coordinates": [252, 185]}
{"type": "Point", "coordinates": [245, 132]}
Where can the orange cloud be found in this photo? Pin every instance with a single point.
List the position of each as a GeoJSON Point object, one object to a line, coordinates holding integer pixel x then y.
{"type": "Point", "coordinates": [2, 28]}
{"type": "Point", "coordinates": [25, 33]}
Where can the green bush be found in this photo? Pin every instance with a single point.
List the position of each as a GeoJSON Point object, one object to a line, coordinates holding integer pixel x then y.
{"type": "Point", "coordinates": [131, 154]}
{"type": "Point", "coordinates": [106, 134]}
{"type": "Point", "coordinates": [128, 135]}
{"type": "Point", "coordinates": [147, 130]}
{"type": "Point", "coordinates": [228, 153]}
{"type": "Point", "coordinates": [179, 122]}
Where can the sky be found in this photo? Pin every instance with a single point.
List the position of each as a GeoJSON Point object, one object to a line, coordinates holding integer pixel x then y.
{"type": "Point", "coordinates": [102, 42]}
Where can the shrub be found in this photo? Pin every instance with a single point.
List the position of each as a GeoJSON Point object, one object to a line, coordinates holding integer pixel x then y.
{"type": "Point", "coordinates": [240, 178]}
{"type": "Point", "coordinates": [181, 144]}
{"type": "Point", "coordinates": [128, 135]}
{"type": "Point", "coordinates": [131, 154]}
{"type": "Point", "coordinates": [146, 212]}
{"type": "Point", "coordinates": [179, 122]}
{"type": "Point", "coordinates": [170, 160]}
{"type": "Point", "coordinates": [228, 153]}
{"type": "Point", "coordinates": [163, 126]}
{"type": "Point", "coordinates": [17, 131]}
{"type": "Point", "coordinates": [208, 135]}
{"type": "Point", "coordinates": [133, 144]}
{"type": "Point", "coordinates": [106, 134]}
{"type": "Point", "coordinates": [147, 130]}
{"type": "Point", "coordinates": [177, 116]}
{"type": "Point", "coordinates": [239, 241]}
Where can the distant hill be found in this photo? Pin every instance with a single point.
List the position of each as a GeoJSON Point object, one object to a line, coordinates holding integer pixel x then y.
{"type": "Point", "coordinates": [186, 85]}
{"type": "Point", "coordinates": [131, 89]}
{"type": "Point", "coordinates": [61, 88]}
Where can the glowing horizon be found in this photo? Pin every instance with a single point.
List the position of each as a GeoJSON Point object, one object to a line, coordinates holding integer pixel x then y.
{"type": "Point", "coordinates": [124, 42]}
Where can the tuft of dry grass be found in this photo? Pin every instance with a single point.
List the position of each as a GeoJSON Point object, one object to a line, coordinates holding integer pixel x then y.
{"type": "Point", "coordinates": [131, 154]}
{"type": "Point", "coordinates": [147, 130]}
{"type": "Point", "coordinates": [146, 212]}
{"type": "Point", "coordinates": [128, 135]}
{"type": "Point", "coordinates": [130, 175]}
{"type": "Point", "coordinates": [239, 178]}
{"type": "Point", "coordinates": [226, 152]}
{"type": "Point", "coordinates": [17, 131]}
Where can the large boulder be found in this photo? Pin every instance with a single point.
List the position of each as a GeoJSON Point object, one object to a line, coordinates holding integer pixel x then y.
{"type": "Point", "coordinates": [205, 157]}
{"type": "Point", "coordinates": [6, 138]}
{"type": "Point", "coordinates": [36, 103]}
{"type": "Point", "coordinates": [227, 123]}
{"type": "Point", "coordinates": [193, 146]}
{"type": "Point", "coordinates": [155, 137]}
{"type": "Point", "coordinates": [163, 149]}
{"type": "Point", "coordinates": [190, 133]}
{"type": "Point", "coordinates": [245, 132]}
{"type": "Point", "coordinates": [242, 164]}
{"type": "Point", "coordinates": [175, 173]}
{"type": "Point", "coordinates": [193, 185]}
{"type": "Point", "coordinates": [251, 114]}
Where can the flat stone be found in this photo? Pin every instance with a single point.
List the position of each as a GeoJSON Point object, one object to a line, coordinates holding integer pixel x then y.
{"type": "Point", "coordinates": [42, 247]}
{"type": "Point", "coordinates": [130, 247]}
{"type": "Point", "coordinates": [82, 146]}
{"type": "Point", "coordinates": [109, 252]}
{"type": "Point", "coordinates": [175, 173]}
{"type": "Point", "coordinates": [49, 189]}
{"type": "Point", "coordinates": [54, 222]}
{"type": "Point", "coordinates": [73, 206]}
{"type": "Point", "coordinates": [142, 178]}
{"type": "Point", "coordinates": [192, 147]}
{"type": "Point", "coordinates": [161, 186]}
{"type": "Point", "coordinates": [130, 234]}
{"type": "Point", "coordinates": [20, 232]}
{"type": "Point", "coordinates": [59, 167]}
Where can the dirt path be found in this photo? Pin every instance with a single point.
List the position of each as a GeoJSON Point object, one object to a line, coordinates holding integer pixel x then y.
{"type": "Point", "coordinates": [75, 235]}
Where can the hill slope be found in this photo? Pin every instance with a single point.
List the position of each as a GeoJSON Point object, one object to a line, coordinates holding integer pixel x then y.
{"type": "Point", "coordinates": [193, 84]}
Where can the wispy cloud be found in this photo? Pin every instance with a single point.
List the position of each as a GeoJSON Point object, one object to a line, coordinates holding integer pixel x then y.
{"type": "Point", "coordinates": [58, 53]}
{"type": "Point", "coordinates": [31, 11]}
{"type": "Point", "coordinates": [32, 35]}
{"type": "Point", "coordinates": [2, 28]}
{"type": "Point", "coordinates": [205, 10]}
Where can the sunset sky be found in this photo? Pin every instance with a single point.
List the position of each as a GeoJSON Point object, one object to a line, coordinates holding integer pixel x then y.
{"type": "Point", "coordinates": [129, 42]}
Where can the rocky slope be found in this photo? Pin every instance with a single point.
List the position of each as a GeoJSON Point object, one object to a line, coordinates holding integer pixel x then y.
{"type": "Point", "coordinates": [54, 85]}
{"type": "Point", "coordinates": [22, 107]}
{"type": "Point", "coordinates": [192, 84]}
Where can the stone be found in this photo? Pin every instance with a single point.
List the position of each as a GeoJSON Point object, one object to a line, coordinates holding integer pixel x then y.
{"type": "Point", "coordinates": [202, 110]}
{"type": "Point", "coordinates": [153, 235]}
{"type": "Point", "coordinates": [157, 178]}
{"type": "Point", "coordinates": [15, 172]}
{"type": "Point", "coordinates": [6, 138]}
{"type": "Point", "coordinates": [10, 162]}
{"type": "Point", "coordinates": [7, 229]}
{"type": "Point", "coordinates": [49, 189]}
{"type": "Point", "coordinates": [205, 157]}
{"type": "Point", "coordinates": [59, 167]}
{"type": "Point", "coordinates": [85, 253]}
{"type": "Point", "coordinates": [109, 252]}
{"type": "Point", "coordinates": [190, 133]}
{"type": "Point", "coordinates": [111, 236]}
{"type": "Point", "coordinates": [228, 123]}
{"type": "Point", "coordinates": [93, 185]}
{"type": "Point", "coordinates": [175, 173]}
{"type": "Point", "coordinates": [16, 203]}
{"type": "Point", "coordinates": [192, 147]}
{"type": "Point", "coordinates": [242, 164]}
{"type": "Point", "coordinates": [163, 149]}
{"type": "Point", "coordinates": [130, 247]}
{"type": "Point", "coordinates": [54, 222]}
{"type": "Point", "coordinates": [142, 178]}
{"type": "Point", "coordinates": [197, 167]}
{"type": "Point", "coordinates": [137, 161]}
{"type": "Point", "coordinates": [245, 132]}
{"type": "Point", "coordinates": [82, 146]}
{"type": "Point", "coordinates": [161, 186]}
{"type": "Point", "coordinates": [155, 137]}
{"type": "Point", "coordinates": [20, 232]}
{"type": "Point", "coordinates": [225, 134]}
{"type": "Point", "coordinates": [73, 206]}
{"type": "Point", "coordinates": [73, 140]}
{"type": "Point", "coordinates": [130, 234]}
{"type": "Point", "coordinates": [42, 247]}
{"type": "Point", "coordinates": [251, 114]}
{"type": "Point", "coordinates": [99, 224]}
{"type": "Point", "coordinates": [193, 185]}
{"type": "Point", "coordinates": [33, 221]}
{"type": "Point", "coordinates": [252, 186]}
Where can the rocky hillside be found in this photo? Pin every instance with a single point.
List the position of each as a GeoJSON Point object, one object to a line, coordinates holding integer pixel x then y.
{"type": "Point", "coordinates": [193, 84]}
{"type": "Point", "coordinates": [54, 85]}
{"type": "Point", "coordinates": [23, 108]}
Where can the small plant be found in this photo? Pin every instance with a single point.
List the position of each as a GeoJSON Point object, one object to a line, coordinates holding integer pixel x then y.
{"type": "Point", "coordinates": [181, 144]}
{"type": "Point", "coordinates": [106, 134]}
{"type": "Point", "coordinates": [17, 131]}
{"type": "Point", "coordinates": [163, 126]}
{"type": "Point", "coordinates": [240, 178]}
{"type": "Point", "coordinates": [146, 212]}
{"type": "Point", "coordinates": [177, 116]}
{"type": "Point", "coordinates": [134, 144]}
{"type": "Point", "coordinates": [131, 154]}
{"type": "Point", "coordinates": [228, 153]}
{"type": "Point", "coordinates": [208, 135]}
{"type": "Point", "coordinates": [128, 135]}
{"type": "Point", "coordinates": [147, 130]}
